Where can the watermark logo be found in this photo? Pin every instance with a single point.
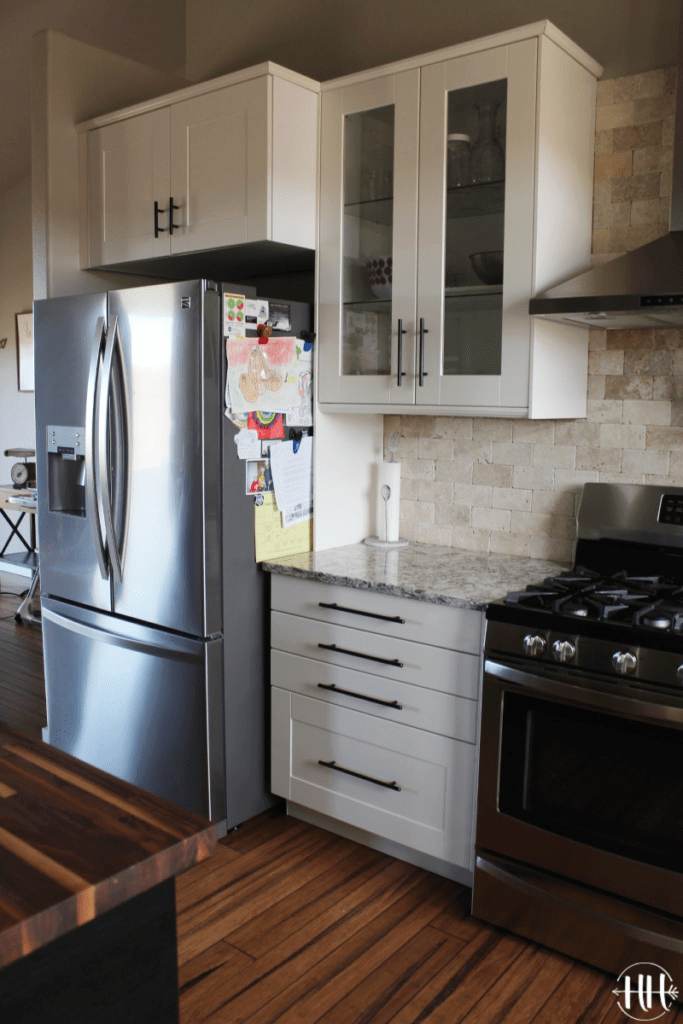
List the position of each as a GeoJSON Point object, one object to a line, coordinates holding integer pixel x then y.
{"type": "Point", "coordinates": [645, 992]}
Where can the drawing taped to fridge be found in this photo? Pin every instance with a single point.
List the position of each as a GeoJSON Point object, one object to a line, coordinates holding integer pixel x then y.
{"type": "Point", "coordinates": [262, 377]}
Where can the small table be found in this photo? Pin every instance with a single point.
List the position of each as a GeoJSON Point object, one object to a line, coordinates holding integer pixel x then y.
{"type": "Point", "coordinates": [22, 563]}
{"type": "Point", "coordinates": [87, 890]}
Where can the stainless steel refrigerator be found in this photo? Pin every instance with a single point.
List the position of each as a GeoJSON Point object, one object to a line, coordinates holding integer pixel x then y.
{"type": "Point", "coordinates": [154, 619]}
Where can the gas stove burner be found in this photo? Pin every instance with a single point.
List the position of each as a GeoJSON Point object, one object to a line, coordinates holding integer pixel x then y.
{"type": "Point", "coordinates": [579, 610]}
{"type": "Point", "coordinates": [660, 616]}
{"type": "Point", "coordinates": [656, 621]}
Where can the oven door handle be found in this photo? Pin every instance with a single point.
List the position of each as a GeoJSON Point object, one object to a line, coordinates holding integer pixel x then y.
{"type": "Point", "coordinates": [633, 706]}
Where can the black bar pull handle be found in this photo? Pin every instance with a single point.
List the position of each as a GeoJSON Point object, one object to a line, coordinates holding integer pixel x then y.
{"type": "Point", "coordinates": [400, 373]}
{"type": "Point", "coordinates": [171, 207]}
{"type": "Point", "coordinates": [423, 331]}
{"type": "Point", "coordinates": [357, 654]}
{"type": "Point", "coordinates": [157, 211]}
{"type": "Point", "coordinates": [361, 696]}
{"type": "Point", "coordinates": [358, 775]}
{"type": "Point", "coordinates": [356, 611]}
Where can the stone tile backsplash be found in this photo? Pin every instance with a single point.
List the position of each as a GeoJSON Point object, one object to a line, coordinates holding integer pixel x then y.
{"type": "Point", "coordinates": [512, 486]}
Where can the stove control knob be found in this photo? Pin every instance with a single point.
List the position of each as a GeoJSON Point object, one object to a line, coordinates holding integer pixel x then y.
{"type": "Point", "coordinates": [624, 663]}
{"type": "Point", "coordinates": [563, 650]}
{"type": "Point", "coordinates": [534, 646]}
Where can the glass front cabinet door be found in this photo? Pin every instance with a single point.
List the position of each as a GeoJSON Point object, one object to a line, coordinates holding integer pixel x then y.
{"type": "Point", "coordinates": [450, 193]}
{"type": "Point", "coordinates": [368, 243]}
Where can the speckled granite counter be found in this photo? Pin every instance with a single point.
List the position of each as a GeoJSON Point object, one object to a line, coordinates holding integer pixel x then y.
{"type": "Point", "coordinates": [463, 579]}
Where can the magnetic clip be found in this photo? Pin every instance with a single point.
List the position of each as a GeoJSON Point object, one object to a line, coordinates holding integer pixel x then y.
{"type": "Point", "coordinates": [296, 435]}
{"type": "Point", "coordinates": [308, 337]}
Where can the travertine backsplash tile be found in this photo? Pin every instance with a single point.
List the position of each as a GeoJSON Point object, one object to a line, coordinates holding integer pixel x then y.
{"type": "Point", "coordinates": [512, 486]}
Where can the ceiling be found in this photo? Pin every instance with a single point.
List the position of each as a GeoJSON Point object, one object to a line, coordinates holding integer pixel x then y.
{"type": "Point", "coordinates": [626, 36]}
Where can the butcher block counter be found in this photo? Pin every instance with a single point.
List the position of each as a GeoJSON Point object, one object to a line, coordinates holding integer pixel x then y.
{"type": "Point", "coordinates": [87, 890]}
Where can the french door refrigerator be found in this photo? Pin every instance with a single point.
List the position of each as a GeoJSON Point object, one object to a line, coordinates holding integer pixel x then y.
{"type": "Point", "coordinates": [152, 604]}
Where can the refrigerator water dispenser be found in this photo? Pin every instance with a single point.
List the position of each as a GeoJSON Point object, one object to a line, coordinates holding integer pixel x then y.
{"type": "Point", "coordinates": [66, 470]}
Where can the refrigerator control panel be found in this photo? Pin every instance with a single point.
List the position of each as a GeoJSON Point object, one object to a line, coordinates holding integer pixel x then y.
{"type": "Point", "coordinates": [66, 440]}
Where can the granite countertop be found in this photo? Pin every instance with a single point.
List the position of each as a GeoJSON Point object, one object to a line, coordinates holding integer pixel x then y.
{"type": "Point", "coordinates": [427, 572]}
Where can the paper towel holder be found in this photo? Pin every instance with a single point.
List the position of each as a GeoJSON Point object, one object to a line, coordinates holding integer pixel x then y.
{"type": "Point", "coordinates": [375, 542]}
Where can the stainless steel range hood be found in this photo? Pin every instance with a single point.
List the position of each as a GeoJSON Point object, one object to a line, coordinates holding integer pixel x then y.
{"type": "Point", "coordinates": [643, 288]}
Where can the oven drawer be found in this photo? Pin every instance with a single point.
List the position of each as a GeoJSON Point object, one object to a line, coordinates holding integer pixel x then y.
{"type": "Point", "coordinates": [428, 807]}
{"type": "Point", "coordinates": [458, 629]}
{"type": "Point", "coordinates": [357, 649]}
{"type": "Point", "coordinates": [420, 707]}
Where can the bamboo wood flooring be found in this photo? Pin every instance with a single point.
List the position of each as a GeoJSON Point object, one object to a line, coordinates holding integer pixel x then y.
{"type": "Point", "coordinates": [288, 924]}
{"type": "Point", "coordinates": [22, 682]}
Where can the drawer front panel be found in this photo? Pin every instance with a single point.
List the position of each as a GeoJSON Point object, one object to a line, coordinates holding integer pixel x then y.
{"type": "Point", "coordinates": [457, 629]}
{"type": "Point", "coordinates": [420, 707]}
{"type": "Point", "coordinates": [360, 650]}
{"type": "Point", "coordinates": [430, 811]}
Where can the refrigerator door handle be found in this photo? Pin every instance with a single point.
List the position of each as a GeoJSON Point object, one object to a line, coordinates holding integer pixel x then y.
{"type": "Point", "coordinates": [91, 503]}
{"type": "Point", "coordinates": [103, 460]}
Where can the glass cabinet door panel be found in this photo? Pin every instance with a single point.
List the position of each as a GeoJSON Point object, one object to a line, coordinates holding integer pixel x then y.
{"type": "Point", "coordinates": [474, 229]}
{"type": "Point", "coordinates": [367, 242]}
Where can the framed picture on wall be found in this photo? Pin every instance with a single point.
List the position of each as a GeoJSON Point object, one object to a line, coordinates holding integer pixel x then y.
{"type": "Point", "coordinates": [25, 351]}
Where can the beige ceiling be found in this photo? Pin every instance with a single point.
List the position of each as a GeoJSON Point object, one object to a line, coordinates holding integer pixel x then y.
{"type": "Point", "coordinates": [323, 38]}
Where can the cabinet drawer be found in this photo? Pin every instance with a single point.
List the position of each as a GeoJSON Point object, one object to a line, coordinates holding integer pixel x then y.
{"type": "Point", "coordinates": [458, 629]}
{"type": "Point", "coordinates": [358, 649]}
{"type": "Point", "coordinates": [418, 706]}
{"type": "Point", "coordinates": [427, 807]}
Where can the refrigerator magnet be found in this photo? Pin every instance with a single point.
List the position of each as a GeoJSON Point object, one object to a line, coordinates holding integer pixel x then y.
{"type": "Point", "coordinates": [233, 311]}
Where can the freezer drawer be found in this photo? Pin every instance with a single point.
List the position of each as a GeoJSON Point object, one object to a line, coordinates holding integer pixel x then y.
{"type": "Point", "coordinates": [140, 703]}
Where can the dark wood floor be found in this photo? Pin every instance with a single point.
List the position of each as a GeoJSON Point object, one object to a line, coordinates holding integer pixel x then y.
{"type": "Point", "coordinates": [288, 924]}
{"type": "Point", "coordinates": [22, 685]}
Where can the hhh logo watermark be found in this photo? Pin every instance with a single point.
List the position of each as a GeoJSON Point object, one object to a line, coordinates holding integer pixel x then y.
{"type": "Point", "coordinates": [647, 992]}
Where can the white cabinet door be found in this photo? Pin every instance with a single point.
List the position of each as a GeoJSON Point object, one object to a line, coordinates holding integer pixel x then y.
{"type": "Point", "coordinates": [412, 787]}
{"type": "Point", "coordinates": [368, 239]}
{"type": "Point", "coordinates": [128, 173]}
{"type": "Point", "coordinates": [220, 167]}
{"type": "Point", "coordinates": [475, 310]}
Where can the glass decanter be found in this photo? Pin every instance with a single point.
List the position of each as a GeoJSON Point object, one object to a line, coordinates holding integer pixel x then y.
{"type": "Point", "coordinates": [488, 161]}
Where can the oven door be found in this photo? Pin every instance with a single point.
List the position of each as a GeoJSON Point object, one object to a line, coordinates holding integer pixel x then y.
{"type": "Point", "coordinates": [583, 782]}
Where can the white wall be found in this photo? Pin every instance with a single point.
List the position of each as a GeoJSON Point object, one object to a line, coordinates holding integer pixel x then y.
{"type": "Point", "coordinates": [71, 82]}
{"type": "Point", "coordinates": [17, 427]}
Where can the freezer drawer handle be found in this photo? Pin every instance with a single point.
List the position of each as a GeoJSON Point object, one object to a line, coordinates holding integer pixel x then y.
{"type": "Point", "coordinates": [357, 654]}
{"type": "Point", "coordinates": [361, 696]}
{"type": "Point", "coordinates": [358, 775]}
{"type": "Point", "coordinates": [356, 611]}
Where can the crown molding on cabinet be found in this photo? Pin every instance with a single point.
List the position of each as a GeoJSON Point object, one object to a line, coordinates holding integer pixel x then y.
{"type": "Point", "coordinates": [198, 89]}
{"type": "Point", "coordinates": [513, 35]}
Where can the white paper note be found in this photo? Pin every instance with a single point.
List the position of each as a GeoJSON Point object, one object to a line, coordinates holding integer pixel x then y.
{"type": "Point", "coordinates": [293, 479]}
{"type": "Point", "coordinates": [248, 444]}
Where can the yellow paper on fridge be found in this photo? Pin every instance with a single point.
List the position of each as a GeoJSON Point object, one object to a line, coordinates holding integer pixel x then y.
{"type": "Point", "coordinates": [271, 539]}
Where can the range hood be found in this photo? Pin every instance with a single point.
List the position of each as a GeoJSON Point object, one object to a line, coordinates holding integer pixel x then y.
{"type": "Point", "coordinates": [643, 288]}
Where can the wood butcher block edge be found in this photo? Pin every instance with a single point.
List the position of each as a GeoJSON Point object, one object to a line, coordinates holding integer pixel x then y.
{"type": "Point", "coordinates": [76, 842]}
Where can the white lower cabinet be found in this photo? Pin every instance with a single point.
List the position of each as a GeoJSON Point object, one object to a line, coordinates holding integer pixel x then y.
{"type": "Point", "coordinates": [373, 730]}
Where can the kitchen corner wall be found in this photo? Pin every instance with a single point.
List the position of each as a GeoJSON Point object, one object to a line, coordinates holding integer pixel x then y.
{"type": "Point", "coordinates": [512, 486]}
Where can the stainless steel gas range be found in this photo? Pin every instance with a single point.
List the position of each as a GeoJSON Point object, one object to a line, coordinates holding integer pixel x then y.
{"type": "Point", "coordinates": [579, 841]}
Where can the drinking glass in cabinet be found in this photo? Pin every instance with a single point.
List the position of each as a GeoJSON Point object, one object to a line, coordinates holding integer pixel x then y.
{"type": "Point", "coordinates": [368, 241]}
{"type": "Point", "coordinates": [475, 214]}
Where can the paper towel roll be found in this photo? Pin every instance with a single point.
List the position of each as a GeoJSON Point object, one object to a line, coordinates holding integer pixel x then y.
{"type": "Point", "coordinates": [389, 475]}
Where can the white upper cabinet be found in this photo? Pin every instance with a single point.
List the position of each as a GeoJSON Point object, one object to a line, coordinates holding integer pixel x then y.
{"type": "Point", "coordinates": [234, 160]}
{"type": "Point", "coordinates": [453, 187]}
